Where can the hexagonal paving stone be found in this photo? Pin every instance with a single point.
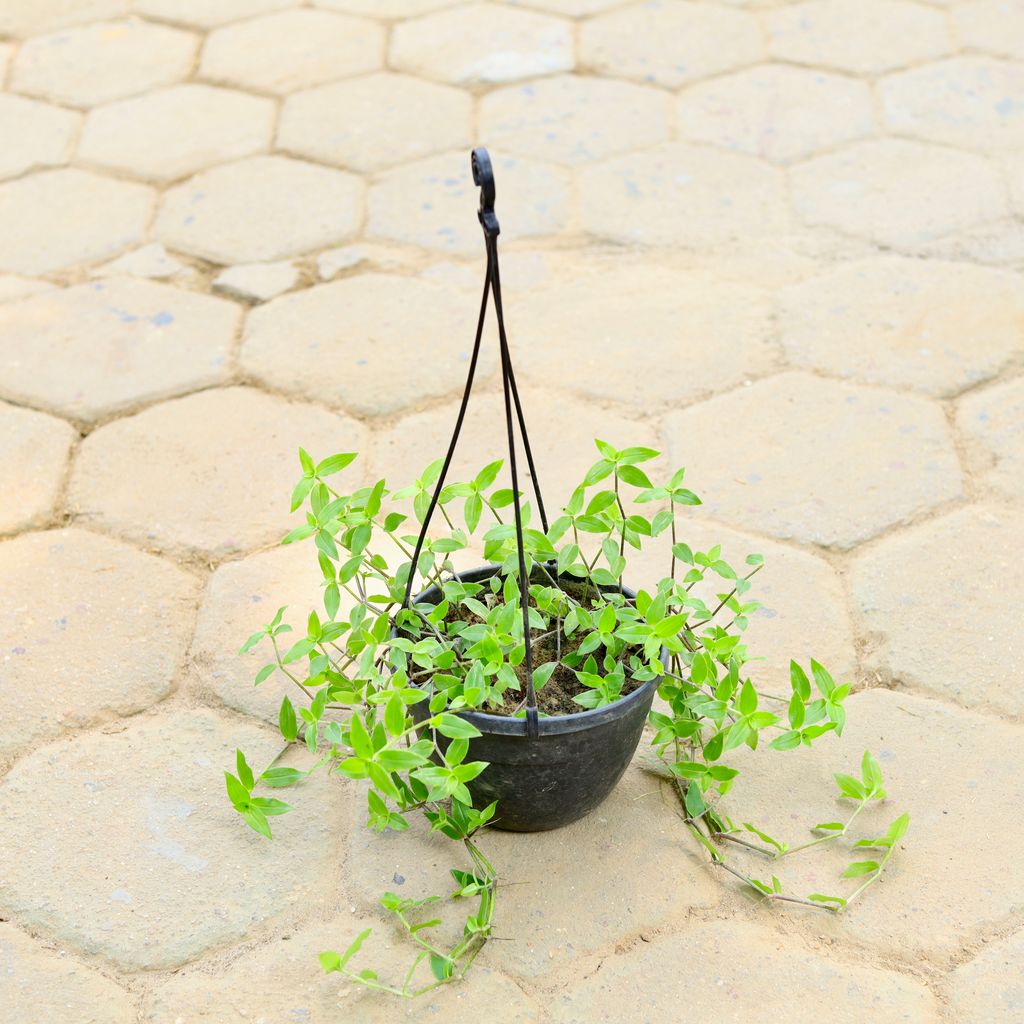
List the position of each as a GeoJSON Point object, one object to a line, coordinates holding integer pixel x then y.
{"type": "Point", "coordinates": [34, 452]}
{"type": "Point", "coordinates": [13, 286]}
{"type": "Point", "coordinates": [482, 43]}
{"type": "Point", "coordinates": [93, 629]}
{"type": "Point", "coordinates": [967, 101]}
{"type": "Point", "coordinates": [35, 135]}
{"type": "Point", "coordinates": [30, 17]}
{"type": "Point", "coordinates": [265, 208]}
{"type": "Point", "coordinates": [910, 608]}
{"type": "Point", "coordinates": [570, 892]}
{"type": "Point", "coordinates": [815, 460]}
{"type": "Point", "coordinates": [104, 61]}
{"type": "Point", "coordinates": [257, 282]}
{"type": "Point", "coordinates": [292, 49]}
{"type": "Point", "coordinates": [775, 111]}
{"type": "Point", "coordinates": [101, 347]}
{"type": "Point", "coordinates": [648, 337]}
{"type": "Point", "coordinates": [433, 202]}
{"type": "Point", "coordinates": [386, 8]}
{"type": "Point", "coordinates": [292, 987]}
{"type": "Point", "coordinates": [705, 40]}
{"type": "Point", "coordinates": [573, 120]}
{"type": "Point", "coordinates": [990, 987]}
{"type": "Point", "coordinates": [859, 36]}
{"type": "Point", "coordinates": [993, 420]}
{"type": "Point", "coordinates": [181, 872]}
{"type": "Point", "coordinates": [569, 8]}
{"type": "Point", "coordinates": [897, 193]}
{"type": "Point", "coordinates": [775, 982]}
{"type": "Point", "coordinates": [677, 194]}
{"type": "Point", "coordinates": [376, 121]}
{"type": "Point", "coordinates": [995, 26]}
{"type": "Point", "coordinates": [40, 983]}
{"type": "Point", "coordinates": [930, 325]}
{"type": "Point", "coordinates": [209, 13]}
{"type": "Point", "coordinates": [234, 454]}
{"type": "Point", "coordinates": [55, 218]}
{"type": "Point", "coordinates": [173, 132]}
{"type": "Point", "coordinates": [954, 771]}
{"type": "Point", "coordinates": [348, 341]}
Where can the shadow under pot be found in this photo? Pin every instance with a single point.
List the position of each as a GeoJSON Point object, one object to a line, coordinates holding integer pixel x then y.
{"type": "Point", "coordinates": [568, 770]}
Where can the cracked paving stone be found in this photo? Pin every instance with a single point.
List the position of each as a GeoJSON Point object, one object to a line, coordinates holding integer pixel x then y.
{"type": "Point", "coordinates": [33, 451]}
{"type": "Point", "coordinates": [897, 193]}
{"type": "Point", "coordinates": [57, 218]}
{"type": "Point", "coordinates": [678, 194]}
{"type": "Point", "coordinates": [179, 871]}
{"type": "Point", "coordinates": [993, 421]}
{"type": "Point", "coordinates": [211, 472]}
{"type": "Point", "coordinates": [482, 43]}
{"type": "Point", "coordinates": [775, 983]}
{"type": "Point", "coordinates": [909, 609]}
{"type": "Point", "coordinates": [341, 342]}
{"type": "Point", "coordinates": [631, 42]}
{"type": "Point", "coordinates": [930, 325]}
{"type": "Point", "coordinates": [262, 209]}
{"type": "Point", "coordinates": [375, 121]}
{"type": "Point", "coordinates": [878, 458]}
{"type": "Point", "coordinates": [209, 13]}
{"type": "Point", "coordinates": [99, 348]}
{"type": "Point", "coordinates": [257, 281]}
{"type": "Point", "coordinates": [991, 986]}
{"type": "Point", "coordinates": [291, 50]}
{"type": "Point", "coordinates": [70, 598]}
{"type": "Point", "coordinates": [39, 983]}
{"type": "Point", "coordinates": [151, 260]}
{"type": "Point", "coordinates": [23, 18]}
{"type": "Point", "coordinates": [35, 135]}
{"type": "Point", "coordinates": [102, 62]}
{"type": "Point", "coordinates": [169, 133]}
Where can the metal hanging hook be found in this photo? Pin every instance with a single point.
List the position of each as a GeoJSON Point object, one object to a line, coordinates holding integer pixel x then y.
{"type": "Point", "coordinates": [483, 175]}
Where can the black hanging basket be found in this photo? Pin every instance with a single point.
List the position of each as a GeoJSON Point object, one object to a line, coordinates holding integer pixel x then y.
{"type": "Point", "coordinates": [547, 772]}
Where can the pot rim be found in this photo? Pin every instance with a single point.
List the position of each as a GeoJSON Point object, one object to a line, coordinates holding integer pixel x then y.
{"type": "Point", "coordinates": [555, 725]}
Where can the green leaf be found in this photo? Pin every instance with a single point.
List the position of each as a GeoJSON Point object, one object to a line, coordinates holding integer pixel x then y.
{"type": "Point", "coordinates": [394, 715]}
{"type": "Point", "coordinates": [830, 826]}
{"type": "Point", "coordinates": [441, 967]}
{"type": "Point", "coordinates": [630, 456]}
{"type": "Point", "coordinates": [278, 778]}
{"type": "Point", "coordinates": [360, 738]}
{"type": "Point", "coordinates": [764, 837]}
{"type": "Point", "coordinates": [898, 829]}
{"type": "Point", "coordinates": [399, 760]}
{"type": "Point", "coordinates": [257, 821]}
{"type": "Point", "coordinates": [799, 681]}
{"type": "Point", "coordinates": [797, 712]}
{"type": "Point", "coordinates": [870, 772]}
{"type": "Point", "coordinates": [237, 793]}
{"type": "Point", "coordinates": [474, 508]}
{"type": "Point", "coordinates": [306, 461]}
{"type": "Point", "coordinates": [822, 898]}
{"type": "Point", "coordinates": [860, 867]}
{"type": "Point", "coordinates": [825, 683]}
{"type": "Point", "coordinates": [634, 476]}
{"type": "Point", "coordinates": [455, 728]}
{"type": "Point", "coordinates": [286, 720]}
{"type": "Point", "coordinates": [542, 674]}
{"type": "Point", "coordinates": [748, 699]}
{"type": "Point", "coordinates": [850, 787]}
{"type": "Point", "coordinates": [269, 806]}
{"type": "Point", "coordinates": [786, 741]}
{"type": "Point", "coordinates": [353, 948]}
{"type": "Point", "coordinates": [244, 771]}
{"type": "Point", "coordinates": [264, 674]}
{"type": "Point", "coordinates": [334, 463]}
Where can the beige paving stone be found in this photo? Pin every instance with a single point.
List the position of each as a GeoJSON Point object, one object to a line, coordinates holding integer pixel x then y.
{"type": "Point", "coordinates": [152, 261]}
{"type": "Point", "coordinates": [92, 64]}
{"type": "Point", "coordinates": [775, 111]}
{"type": "Point", "coordinates": [386, 8]}
{"type": "Point", "coordinates": [816, 461]}
{"type": "Point", "coordinates": [234, 456]}
{"type": "Point", "coordinates": [990, 987]}
{"type": "Point", "coordinates": [35, 134]}
{"type": "Point", "coordinates": [70, 598]}
{"type": "Point", "coordinates": [939, 764]}
{"type": "Point", "coordinates": [433, 202]}
{"type": "Point", "coordinates": [897, 193]}
{"type": "Point", "coordinates": [910, 607]}
{"type": "Point", "coordinates": [375, 121]}
{"type": "Point", "coordinates": [678, 194]}
{"type": "Point", "coordinates": [859, 36]}
{"type": "Point", "coordinates": [568, 8]}
{"type": "Point", "coordinates": [13, 286]}
{"type": "Point", "coordinates": [242, 597]}
{"type": "Point", "coordinates": [38, 982]}
{"type": "Point", "coordinates": [617, 334]}
{"type": "Point", "coordinates": [257, 281]}
{"type": "Point", "coordinates": [101, 347]}
{"type": "Point", "coordinates": [6, 52]}
{"type": "Point", "coordinates": [773, 982]}
{"type": "Point", "coordinates": [57, 218]}
{"type": "Point", "coordinates": [993, 421]}
{"type": "Point", "coordinates": [967, 101]}
{"type": "Point", "coordinates": [209, 13]}
{"type": "Point", "coordinates": [23, 18]}
{"type": "Point", "coordinates": [332, 262]}
{"type": "Point", "coordinates": [262, 209]}
{"type": "Point", "coordinates": [172, 132]}
{"type": "Point", "coordinates": [353, 342]}
{"type": "Point", "coordinates": [994, 26]}
{"type": "Point", "coordinates": [482, 43]}
{"type": "Point", "coordinates": [1014, 173]}
{"type": "Point", "coordinates": [291, 50]}
{"type": "Point", "coordinates": [573, 120]}
{"type": "Point", "coordinates": [930, 325]}
{"type": "Point", "coordinates": [567, 893]}
{"type": "Point", "coordinates": [181, 871]}
{"type": "Point", "coordinates": [33, 453]}
{"type": "Point", "coordinates": [997, 243]}
{"type": "Point", "coordinates": [283, 981]}
{"type": "Point", "coordinates": [705, 40]}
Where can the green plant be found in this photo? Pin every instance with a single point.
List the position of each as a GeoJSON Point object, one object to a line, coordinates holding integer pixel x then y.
{"type": "Point", "coordinates": [362, 671]}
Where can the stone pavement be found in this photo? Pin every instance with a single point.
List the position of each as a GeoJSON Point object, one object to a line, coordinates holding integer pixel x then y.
{"type": "Point", "coordinates": [782, 241]}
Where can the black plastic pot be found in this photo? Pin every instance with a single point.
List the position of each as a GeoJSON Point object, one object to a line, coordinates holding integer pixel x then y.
{"type": "Point", "coordinates": [568, 770]}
